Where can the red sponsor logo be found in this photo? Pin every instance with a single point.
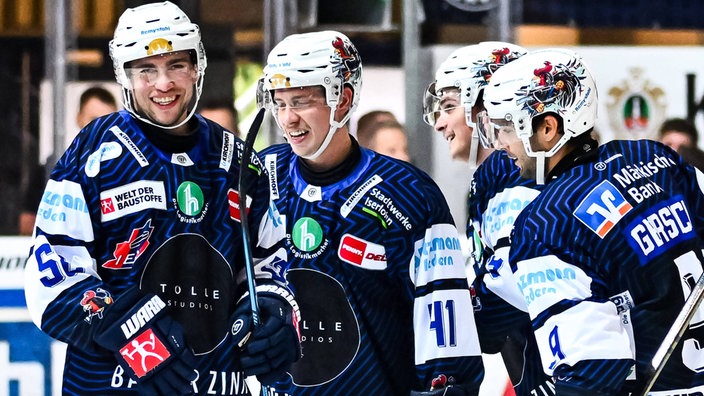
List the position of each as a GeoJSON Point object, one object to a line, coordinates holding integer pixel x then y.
{"type": "Point", "coordinates": [352, 249]}
{"type": "Point", "coordinates": [107, 206]}
{"type": "Point", "coordinates": [233, 197]}
{"type": "Point", "coordinates": [145, 353]}
{"type": "Point", "coordinates": [127, 253]}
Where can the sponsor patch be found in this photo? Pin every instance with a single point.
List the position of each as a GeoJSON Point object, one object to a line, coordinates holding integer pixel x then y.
{"type": "Point", "coordinates": [228, 149]}
{"type": "Point", "coordinates": [145, 353]}
{"type": "Point", "coordinates": [270, 163]}
{"type": "Point", "coordinates": [659, 228]}
{"type": "Point", "coordinates": [361, 253]}
{"type": "Point", "coordinates": [602, 208]}
{"type": "Point", "coordinates": [132, 198]}
{"type": "Point", "coordinates": [358, 194]}
{"type": "Point", "coordinates": [106, 151]}
{"type": "Point", "coordinates": [63, 211]}
{"type": "Point", "coordinates": [438, 255]}
{"type": "Point", "coordinates": [233, 198]}
{"type": "Point", "coordinates": [136, 152]}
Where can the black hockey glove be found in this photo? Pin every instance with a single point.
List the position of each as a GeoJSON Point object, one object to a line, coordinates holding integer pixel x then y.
{"type": "Point", "coordinates": [271, 348]}
{"type": "Point", "coordinates": [148, 344]}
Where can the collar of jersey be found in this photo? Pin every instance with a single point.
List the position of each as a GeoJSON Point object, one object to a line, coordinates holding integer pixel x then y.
{"type": "Point", "coordinates": [328, 191]}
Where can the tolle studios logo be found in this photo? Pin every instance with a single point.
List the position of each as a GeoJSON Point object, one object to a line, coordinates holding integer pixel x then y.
{"type": "Point", "coordinates": [636, 108]}
{"type": "Point", "coordinates": [190, 203]}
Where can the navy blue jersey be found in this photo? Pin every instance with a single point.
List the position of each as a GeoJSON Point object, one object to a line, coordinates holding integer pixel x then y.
{"type": "Point", "coordinates": [497, 195]}
{"type": "Point", "coordinates": [605, 257]}
{"type": "Point", "coordinates": [118, 212]}
{"type": "Point", "coordinates": [378, 272]}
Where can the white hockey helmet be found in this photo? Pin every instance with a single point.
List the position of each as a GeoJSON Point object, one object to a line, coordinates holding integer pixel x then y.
{"type": "Point", "coordinates": [327, 59]}
{"type": "Point", "coordinates": [550, 81]}
{"type": "Point", "coordinates": [153, 29]}
{"type": "Point", "coordinates": [468, 70]}
{"type": "Point", "coordinates": [547, 81]}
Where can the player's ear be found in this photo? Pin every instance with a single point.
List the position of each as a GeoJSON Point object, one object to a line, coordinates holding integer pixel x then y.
{"type": "Point", "coordinates": [550, 128]}
{"type": "Point", "coordinates": [345, 103]}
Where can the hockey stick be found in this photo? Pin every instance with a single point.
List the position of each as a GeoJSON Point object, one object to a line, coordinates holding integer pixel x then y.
{"type": "Point", "coordinates": [673, 336]}
{"type": "Point", "coordinates": [245, 161]}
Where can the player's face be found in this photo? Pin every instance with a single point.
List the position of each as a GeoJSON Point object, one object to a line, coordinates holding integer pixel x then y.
{"type": "Point", "coordinates": [304, 116]}
{"type": "Point", "coordinates": [92, 109]}
{"type": "Point", "coordinates": [507, 140]}
{"type": "Point", "coordinates": [451, 123]}
{"type": "Point", "coordinates": [392, 142]}
{"type": "Point", "coordinates": [676, 140]}
{"type": "Point", "coordinates": [163, 86]}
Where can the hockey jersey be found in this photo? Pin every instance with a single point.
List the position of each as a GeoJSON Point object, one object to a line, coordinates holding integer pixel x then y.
{"type": "Point", "coordinates": [497, 195]}
{"type": "Point", "coordinates": [119, 212]}
{"type": "Point", "coordinates": [379, 276]}
{"type": "Point", "coordinates": [605, 257]}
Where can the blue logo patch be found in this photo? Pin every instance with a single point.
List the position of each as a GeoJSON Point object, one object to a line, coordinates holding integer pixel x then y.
{"type": "Point", "coordinates": [659, 228]}
{"type": "Point", "coordinates": [602, 208]}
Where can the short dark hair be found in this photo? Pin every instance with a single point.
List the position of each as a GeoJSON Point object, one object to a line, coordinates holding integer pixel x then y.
{"type": "Point", "coordinates": [99, 93]}
{"type": "Point", "coordinates": [680, 125]}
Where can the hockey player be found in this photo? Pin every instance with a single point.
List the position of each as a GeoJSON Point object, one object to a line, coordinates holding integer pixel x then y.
{"type": "Point", "coordinates": [137, 262]}
{"type": "Point", "coordinates": [376, 263]}
{"type": "Point", "coordinates": [607, 253]}
{"type": "Point", "coordinates": [497, 194]}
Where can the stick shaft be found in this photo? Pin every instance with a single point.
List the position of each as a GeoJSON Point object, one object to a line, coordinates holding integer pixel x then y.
{"type": "Point", "coordinates": [245, 161]}
{"type": "Point", "coordinates": [673, 336]}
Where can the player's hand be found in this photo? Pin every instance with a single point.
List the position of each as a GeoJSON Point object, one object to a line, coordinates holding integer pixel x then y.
{"type": "Point", "coordinates": [275, 344]}
{"type": "Point", "coordinates": [148, 344]}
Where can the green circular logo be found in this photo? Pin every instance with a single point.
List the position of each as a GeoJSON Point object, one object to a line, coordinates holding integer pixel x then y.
{"type": "Point", "coordinates": [307, 234]}
{"type": "Point", "coordinates": [190, 198]}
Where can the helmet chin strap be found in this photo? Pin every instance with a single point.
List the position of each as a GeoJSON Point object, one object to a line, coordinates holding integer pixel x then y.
{"type": "Point", "coordinates": [334, 126]}
{"type": "Point", "coordinates": [473, 150]}
{"type": "Point", "coordinates": [540, 168]}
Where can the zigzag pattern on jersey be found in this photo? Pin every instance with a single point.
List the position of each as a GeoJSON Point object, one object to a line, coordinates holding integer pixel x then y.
{"type": "Point", "coordinates": [613, 262]}
{"type": "Point", "coordinates": [384, 360]}
{"type": "Point", "coordinates": [92, 372]}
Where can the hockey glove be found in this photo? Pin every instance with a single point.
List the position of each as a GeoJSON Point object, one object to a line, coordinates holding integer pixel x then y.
{"type": "Point", "coordinates": [148, 344]}
{"type": "Point", "coordinates": [275, 344]}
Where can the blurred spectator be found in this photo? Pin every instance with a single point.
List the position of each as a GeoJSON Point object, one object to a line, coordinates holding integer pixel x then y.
{"type": "Point", "coordinates": [678, 132]}
{"type": "Point", "coordinates": [370, 118]}
{"type": "Point", "coordinates": [386, 137]}
{"type": "Point", "coordinates": [222, 111]}
{"type": "Point", "coordinates": [94, 102]}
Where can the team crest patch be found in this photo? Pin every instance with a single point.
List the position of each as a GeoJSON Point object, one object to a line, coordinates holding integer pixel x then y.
{"type": "Point", "coordinates": [94, 303]}
{"type": "Point", "coordinates": [126, 253]}
{"type": "Point", "coordinates": [602, 208]}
